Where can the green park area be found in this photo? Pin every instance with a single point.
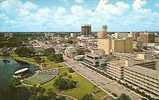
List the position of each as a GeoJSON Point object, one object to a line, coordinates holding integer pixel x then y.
{"type": "Point", "coordinates": [83, 88]}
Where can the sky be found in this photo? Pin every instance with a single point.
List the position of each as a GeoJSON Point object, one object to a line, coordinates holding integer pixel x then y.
{"type": "Point", "coordinates": [69, 15]}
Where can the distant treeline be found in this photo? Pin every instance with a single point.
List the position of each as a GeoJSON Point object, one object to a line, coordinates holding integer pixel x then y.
{"type": "Point", "coordinates": [11, 42]}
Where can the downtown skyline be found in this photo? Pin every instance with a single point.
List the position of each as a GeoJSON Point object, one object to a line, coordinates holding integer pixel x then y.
{"type": "Point", "coordinates": [69, 15]}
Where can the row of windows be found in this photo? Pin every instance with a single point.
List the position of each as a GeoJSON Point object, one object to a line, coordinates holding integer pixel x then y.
{"type": "Point", "coordinates": [114, 74]}
{"type": "Point", "coordinates": [142, 77]}
{"type": "Point", "coordinates": [140, 83]}
{"type": "Point", "coordinates": [143, 89]}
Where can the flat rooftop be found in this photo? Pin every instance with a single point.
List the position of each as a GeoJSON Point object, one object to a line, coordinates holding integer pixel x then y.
{"type": "Point", "coordinates": [145, 71]}
{"type": "Point", "coordinates": [119, 63]}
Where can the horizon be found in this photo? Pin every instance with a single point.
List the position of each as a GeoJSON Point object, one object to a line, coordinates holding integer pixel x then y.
{"type": "Point", "coordinates": [70, 15]}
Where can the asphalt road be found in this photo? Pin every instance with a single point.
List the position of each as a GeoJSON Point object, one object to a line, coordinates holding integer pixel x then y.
{"type": "Point", "coordinates": [107, 85]}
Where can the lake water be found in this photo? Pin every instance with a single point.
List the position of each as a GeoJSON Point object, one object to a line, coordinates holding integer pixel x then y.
{"type": "Point", "coordinates": [7, 68]}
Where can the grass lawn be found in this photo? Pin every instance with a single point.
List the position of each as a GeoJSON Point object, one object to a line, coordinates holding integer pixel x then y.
{"type": "Point", "coordinates": [51, 64]}
{"type": "Point", "coordinates": [85, 87]}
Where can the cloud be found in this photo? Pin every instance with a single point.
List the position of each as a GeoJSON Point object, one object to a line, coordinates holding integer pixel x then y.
{"type": "Point", "coordinates": [138, 4]}
{"type": "Point", "coordinates": [78, 10]}
{"type": "Point", "coordinates": [115, 9]}
{"type": "Point", "coordinates": [79, 1]}
{"type": "Point", "coordinates": [26, 8]}
{"type": "Point", "coordinates": [156, 5]}
{"type": "Point", "coordinates": [16, 15]}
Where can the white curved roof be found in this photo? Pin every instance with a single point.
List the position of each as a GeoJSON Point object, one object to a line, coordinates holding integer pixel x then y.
{"type": "Point", "coordinates": [21, 71]}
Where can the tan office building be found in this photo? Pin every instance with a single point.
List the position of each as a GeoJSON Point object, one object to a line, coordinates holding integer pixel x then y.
{"type": "Point", "coordinates": [105, 44]}
{"type": "Point", "coordinates": [115, 45]}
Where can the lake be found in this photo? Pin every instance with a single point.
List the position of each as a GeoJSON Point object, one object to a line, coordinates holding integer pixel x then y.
{"type": "Point", "coordinates": [7, 68]}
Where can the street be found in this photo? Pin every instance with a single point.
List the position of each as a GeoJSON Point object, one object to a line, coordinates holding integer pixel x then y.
{"type": "Point", "coordinates": [107, 85]}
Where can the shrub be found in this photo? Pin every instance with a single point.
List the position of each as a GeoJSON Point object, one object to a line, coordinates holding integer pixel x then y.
{"type": "Point", "coordinates": [71, 70]}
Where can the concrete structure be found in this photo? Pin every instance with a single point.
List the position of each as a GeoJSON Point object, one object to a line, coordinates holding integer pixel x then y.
{"type": "Point", "coordinates": [157, 39]}
{"type": "Point", "coordinates": [115, 45]}
{"type": "Point", "coordinates": [143, 79]}
{"type": "Point", "coordinates": [105, 44]}
{"type": "Point", "coordinates": [122, 35]}
{"type": "Point", "coordinates": [86, 30]}
{"type": "Point", "coordinates": [115, 69]}
{"type": "Point", "coordinates": [87, 42]}
{"type": "Point", "coordinates": [94, 60]}
{"type": "Point", "coordinates": [103, 33]}
{"type": "Point", "coordinates": [122, 45]}
{"type": "Point", "coordinates": [146, 37]}
{"type": "Point", "coordinates": [71, 52]}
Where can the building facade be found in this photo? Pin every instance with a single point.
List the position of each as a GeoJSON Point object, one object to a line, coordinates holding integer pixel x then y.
{"type": "Point", "coordinates": [86, 30]}
{"type": "Point", "coordinates": [115, 69]}
{"type": "Point", "coordinates": [105, 44]}
{"type": "Point", "coordinates": [142, 79]}
{"type": "Point", "coordinates": [103, 33]}
{"type": "Point", "coordinates": [93, 60]}
{"type": "Point", "coordinates": [115, 45]}
{"type": "Point", "coordinates": [146, 37]}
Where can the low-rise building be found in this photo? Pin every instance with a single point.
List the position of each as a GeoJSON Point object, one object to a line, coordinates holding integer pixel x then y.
{"type": "Point", "coordinates": [115, 69]}
{"type": "Point", "coordinates": [142, 79]}
{"type": "Point", "coordinates": [93, 60]}
{"type": "Point", "coordinates": [70, 52]}
{"type": "Point", "coordinates": [120, 35]}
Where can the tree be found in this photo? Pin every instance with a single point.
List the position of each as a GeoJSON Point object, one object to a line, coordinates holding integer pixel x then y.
{"type": "Point", "coordinates": [62, 98]}
{"type": "Point", "coordinates": [124, 97]}
{"type": "Point", "coordinates": [65, 83]}
{"type": "Point", "coordinates": [51, 93]}
{"type": "Point", "coordinates": [70, 41]}
{"type": "Point", "coordinates": [88, 97]}
{"type": "Point", "coordinates": [25, 51]}
{"type": "Point", "coordinates": [38, 59]}
{"type": "Point", "coordinates": [80, 51]}
{"type": "Point", "coordinates": [14, 93]}
{"type": "Point", "coordinates": [56, 58]}
{"type": "Point", "coordinates": [49, 51]}
{"type": "Point", "coordinates": [71, 70]}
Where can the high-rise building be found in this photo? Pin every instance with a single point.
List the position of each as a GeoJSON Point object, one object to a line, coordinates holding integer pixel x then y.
{"type": "Point", "coordinates": [122, 45]}
{"type": "Point", "coordinates": [105, 44]}
{"type": "Point", "coordinates": [103, 33]}
{"type": "Point", "coordinates": [86, 30]}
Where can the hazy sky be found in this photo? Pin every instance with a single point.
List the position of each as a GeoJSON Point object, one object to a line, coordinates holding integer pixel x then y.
{"type": "Point", "coordinates": [69, 15]}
